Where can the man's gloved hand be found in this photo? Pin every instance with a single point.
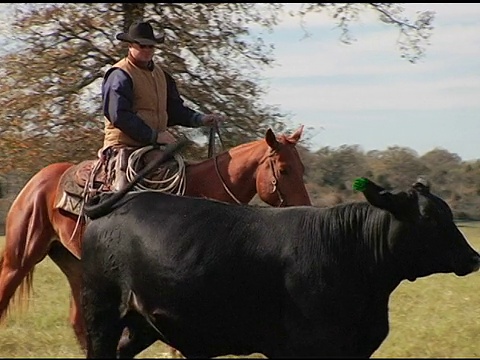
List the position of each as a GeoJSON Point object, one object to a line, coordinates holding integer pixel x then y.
{"type": "Point", "coordinates": [212, 119]}
{"type": "Point", "coordinates": [165, 137]}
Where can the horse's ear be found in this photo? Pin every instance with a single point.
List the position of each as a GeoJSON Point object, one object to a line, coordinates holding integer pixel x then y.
{"type": "Point", "coordinates": [296, 135]}
{"type": "Point", "coordinates": [271, 139]}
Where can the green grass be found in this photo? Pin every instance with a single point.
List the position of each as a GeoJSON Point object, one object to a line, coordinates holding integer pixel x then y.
{"type": "Point", "coordinates": [437, 316]}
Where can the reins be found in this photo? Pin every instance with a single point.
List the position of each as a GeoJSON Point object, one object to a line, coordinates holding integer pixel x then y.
{"type": "Point", "coordinates": [211, 154]}
{"type": "Point", "coordinates": [211, 140]}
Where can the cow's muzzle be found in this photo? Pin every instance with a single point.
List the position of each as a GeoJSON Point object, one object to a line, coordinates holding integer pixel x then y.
{"type": "Point", "coordinates": [469, 266]}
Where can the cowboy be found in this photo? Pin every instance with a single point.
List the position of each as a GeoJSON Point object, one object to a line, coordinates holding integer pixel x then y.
{"type": "Point", "coordinates": [141, 100]}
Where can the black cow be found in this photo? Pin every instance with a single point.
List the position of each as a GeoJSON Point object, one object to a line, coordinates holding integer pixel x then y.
{"type": "Point", "coordinates": [212, 279]}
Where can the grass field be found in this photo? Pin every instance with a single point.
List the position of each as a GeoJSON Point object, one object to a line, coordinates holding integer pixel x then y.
{"type": "Point", "coordinates": [434, 317]}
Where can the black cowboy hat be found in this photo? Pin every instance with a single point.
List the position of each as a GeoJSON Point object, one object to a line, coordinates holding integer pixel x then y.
{"type": "Point", "coordinates": [141, 32]}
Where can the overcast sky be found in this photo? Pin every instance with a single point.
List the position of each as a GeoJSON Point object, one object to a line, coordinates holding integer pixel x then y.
{"type": "Point", "coordinates": [366, 94]}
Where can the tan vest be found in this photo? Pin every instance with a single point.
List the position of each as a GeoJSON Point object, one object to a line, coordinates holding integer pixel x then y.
{"type": "Point", "coordinates": [149, 102]}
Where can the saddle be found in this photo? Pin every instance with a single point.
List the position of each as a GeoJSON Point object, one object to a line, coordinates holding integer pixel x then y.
{"type": "Point", "coordinates": [74, 184]}
{"type": "Point", "coordinates": [91, 177]}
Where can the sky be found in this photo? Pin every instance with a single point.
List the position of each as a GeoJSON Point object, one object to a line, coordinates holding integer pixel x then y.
{"type": "Point", "coordinates": [365, 94]}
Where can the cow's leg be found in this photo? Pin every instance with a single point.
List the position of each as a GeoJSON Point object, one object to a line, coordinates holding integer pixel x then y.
{"type": "Point", "coordinates": [101, 309]}
{"type": "Point", "coordinates": [139, 336]}
{"type": "Point", "coordinates": [71, 267]}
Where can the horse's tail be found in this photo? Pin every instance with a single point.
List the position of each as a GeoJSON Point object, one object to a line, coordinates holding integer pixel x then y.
{"type": "Point", "coordinates": [28, 235]}
{"type": "Point", "coordinates": [21, 297]}
{"type": "Point", "coordinates": [103, 204]}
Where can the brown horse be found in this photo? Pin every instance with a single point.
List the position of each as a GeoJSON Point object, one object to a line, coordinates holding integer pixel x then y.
{"type": "Point", "coordinates": [270, 167]}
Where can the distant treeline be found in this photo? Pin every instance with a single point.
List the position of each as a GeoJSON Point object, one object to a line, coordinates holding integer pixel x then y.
{"type": "Point", "coordinates": [329, 173]}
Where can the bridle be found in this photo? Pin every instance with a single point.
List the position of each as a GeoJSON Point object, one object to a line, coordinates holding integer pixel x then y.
{"type": "Point", "coordinates": [211, 146]}
{"type": "Point", "coordinates": [274, 181]}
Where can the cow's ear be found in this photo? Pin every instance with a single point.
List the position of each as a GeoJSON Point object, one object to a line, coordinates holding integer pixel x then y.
{"type": "Point", "coordinates": [271, 139]}
{"type": "Point", "coordinates": [381, 198]}
{"type": "Point", "coordinates": [422, 185]}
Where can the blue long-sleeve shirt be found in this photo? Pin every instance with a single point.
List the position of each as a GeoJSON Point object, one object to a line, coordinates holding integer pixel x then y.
{"type": "Point", "coordinates": [117, 95]}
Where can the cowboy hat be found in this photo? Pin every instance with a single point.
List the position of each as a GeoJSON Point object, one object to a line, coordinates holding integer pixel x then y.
{"type": "Point", "coordinates": [141, 32]}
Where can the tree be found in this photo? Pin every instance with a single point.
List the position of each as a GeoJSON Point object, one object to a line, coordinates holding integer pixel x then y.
{"type": "Point", "coordinates": [444, 167]}
{"type": "Point", "coordinates": [337, 168]}
{"type": "Point", "coordinates": [396, 167]}
{"type": "Point", "coordinates": [50, 83]}
{"type": "Point", "coordinates": [413, 35]}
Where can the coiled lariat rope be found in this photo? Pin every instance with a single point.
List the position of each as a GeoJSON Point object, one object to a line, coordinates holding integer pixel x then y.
{"type": "Point", "coordinates": [174, 184]}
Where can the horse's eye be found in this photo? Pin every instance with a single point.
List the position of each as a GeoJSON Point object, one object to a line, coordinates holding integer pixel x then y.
{"type": "Point", "coordinates": [283, 172]}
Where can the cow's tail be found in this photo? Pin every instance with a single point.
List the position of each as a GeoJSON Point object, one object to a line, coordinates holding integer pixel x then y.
{"type": "Point", "coordinates": [101, 205]}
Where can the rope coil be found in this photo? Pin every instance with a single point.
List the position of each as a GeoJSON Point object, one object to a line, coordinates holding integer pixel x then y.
{"type": "Point", "coordinates": [174, 184]}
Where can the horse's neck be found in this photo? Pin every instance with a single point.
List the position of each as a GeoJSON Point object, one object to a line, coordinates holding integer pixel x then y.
{"type": "Point", "coordinates": [242, 163]}
{"type": "Point", "coordinates": [237, 170]}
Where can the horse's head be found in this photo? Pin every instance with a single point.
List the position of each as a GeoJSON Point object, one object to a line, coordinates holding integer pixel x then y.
{"type": "Point", "coordinates": [279, 177]}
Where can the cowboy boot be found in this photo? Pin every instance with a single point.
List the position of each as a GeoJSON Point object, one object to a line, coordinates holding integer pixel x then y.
{"type": "Point", "coordinates": [121, 162]}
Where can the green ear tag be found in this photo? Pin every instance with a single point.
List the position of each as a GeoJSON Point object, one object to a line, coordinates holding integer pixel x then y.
{"type": "Point", "coordinates": [360, 184]}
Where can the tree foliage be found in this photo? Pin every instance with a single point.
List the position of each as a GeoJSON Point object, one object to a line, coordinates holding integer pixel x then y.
{"type": "Point", "coordinates": [330, 172]}
{"type": "Point", "coordinates": [50, 81]}
{"type": "Point", "coordinates": [413, 35]}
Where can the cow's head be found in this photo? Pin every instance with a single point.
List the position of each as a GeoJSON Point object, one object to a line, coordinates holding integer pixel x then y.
{"type": "Point", "coordinates": [423, 236]}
